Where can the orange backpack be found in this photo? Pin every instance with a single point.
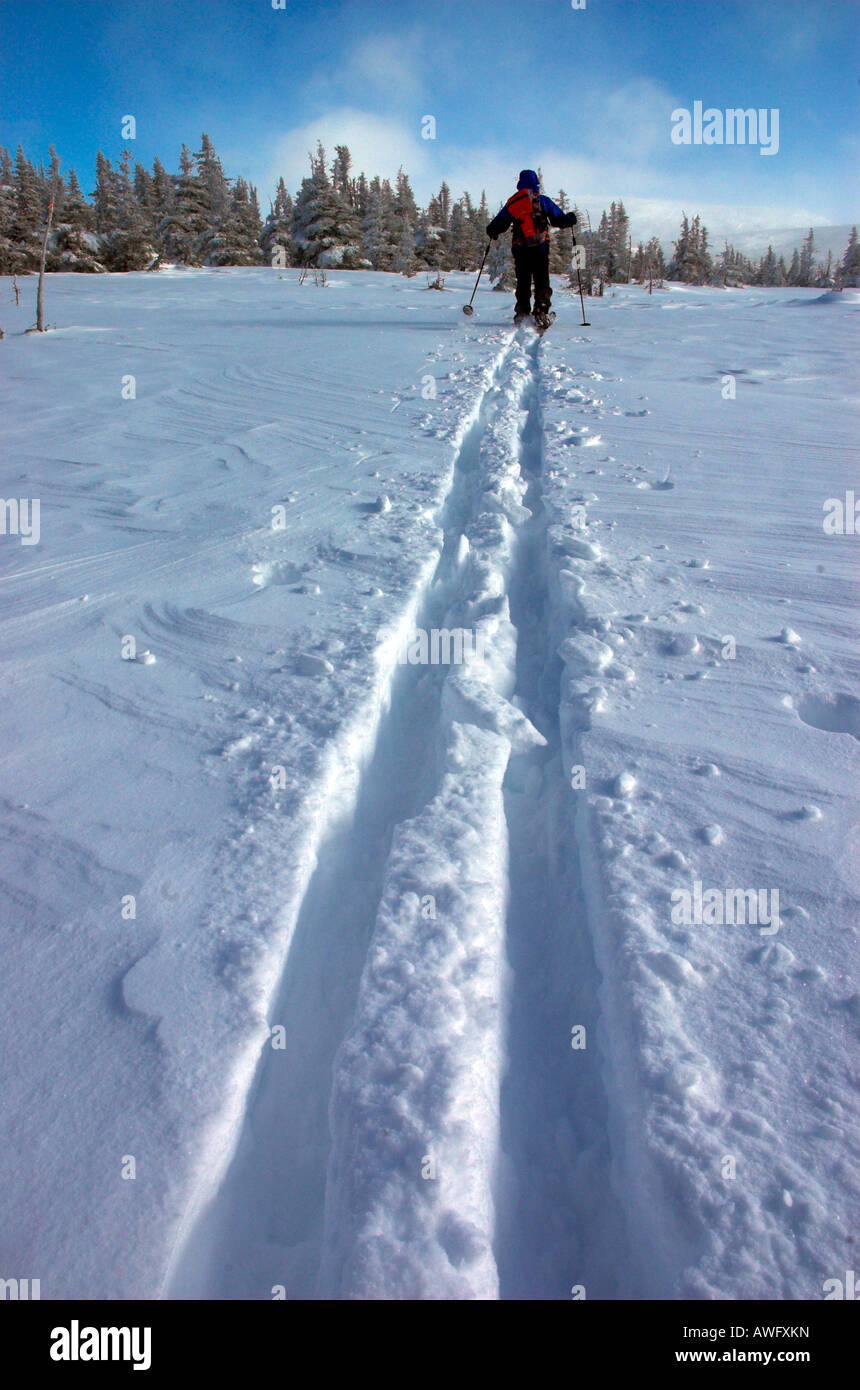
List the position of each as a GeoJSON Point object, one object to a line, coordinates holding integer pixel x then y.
{"type": "Point", "coordinates": [530, 220]}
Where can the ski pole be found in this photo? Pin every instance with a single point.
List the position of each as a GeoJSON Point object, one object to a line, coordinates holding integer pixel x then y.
{"type": "Point", "coordinates": [467, 308]}
{"type": "Point", "coordinates": [585, 322]}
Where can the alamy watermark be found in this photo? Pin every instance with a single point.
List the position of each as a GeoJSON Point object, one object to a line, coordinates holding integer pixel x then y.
{"type": "Point", "coordinates": [841, 517]}
{"type": "Point", "coordinates": [15, 1289]}
{"type": "Point", "coordinates": [441, 646]}
{"type": "Point", "coordinates": [727, 907]}
{"type": "Point", "coordinates": [734, 126]}
{"type": "Point", "coordinates": [21, 517]}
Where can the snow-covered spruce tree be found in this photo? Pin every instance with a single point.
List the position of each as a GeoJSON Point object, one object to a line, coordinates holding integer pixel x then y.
{"type": "Point", "coordinates": [405, 217]}
{"type": "Point", "coordinates": [432, 231]}
{"type": "Point", "coordinates": [380, 234]}
{"type": "Point", "coordinates": [162, 192]}
{"type": "Point", "coordinates": [211, 173]}
{"type": "Point", "coordinates": [654, 267]}
{"type": "Point", "coordinates": [404, 199]}
{"type": "Point", "coordinates": [680, 254]}
{"type": "Point", "coordinates": [276, 238]}
{"type": "Point", "coordinates": [362, 197]}
{"type": "Point", "coordinates": [144, 192]}
{"type": "Point", "coordinates": [807, 261]}
{"type": "Point", "coordinates": [405, 259]}
{"type": "Point", "coordinates": [341, 175]}
{"type": "Point", "coordinates": [463, 242]}
{"type": "Point", "coordinates": [618, 255]}
{"type": "Point", "coordinates": [325, 228]}
{"type": "Point", "coordinates": [189, 218]}
{"type": "Point", "coordinates": [428, 243]}
{"type": "Point", "coordinates": [75, 243]}
{"type": "Point", "coordinates": [224, 240]}
{"type": "Point", "coordinates": [241, 232]}
{"type": "Point", "coordinates": [105, 196]}
{"type": "Point", "coordinates": [53, 186]}
{"type": "Point", "coordinates": [769, 271]}
{"type": "Point", "coordinates": [26, 226]}
{"type": "Point", "coordinates": [7, 212]}
{"type": "Point", "coordinates": [730, 270]}
{"type": "Point", "coordinates": [691, 259]}
{"type": "Point", "coordinates": [561, 243]}
{"type": "Point", "coordinates": [793, 277]}
{"type": "Point", "coordinates": [128, 245]}
{"type": "Point", "coordinates": [823, 276]}
{"type": "Point", "coordinates": [848, 273]}
{"type": "Point", "coordinates": [477, 217]}
{"type": "Point", "coordinates": [500, 264]}
{"type": "Point", "coordinates": [599, 250]}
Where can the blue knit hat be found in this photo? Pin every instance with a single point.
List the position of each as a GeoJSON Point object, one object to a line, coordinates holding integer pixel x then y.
{"type": "Point", "coordinates": [528, 179]}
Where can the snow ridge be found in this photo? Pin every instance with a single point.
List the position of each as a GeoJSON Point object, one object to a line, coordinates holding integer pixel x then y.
{"type": "Point", "coordinates": [381, 776]}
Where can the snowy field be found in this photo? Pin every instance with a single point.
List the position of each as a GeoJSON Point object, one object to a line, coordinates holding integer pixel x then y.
{"type": "Point", "coordinates": [335, 971]}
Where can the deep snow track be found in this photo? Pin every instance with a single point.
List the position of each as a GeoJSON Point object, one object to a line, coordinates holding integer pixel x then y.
{"type": "Point", "coordinates": [427, 1130]}
{"type": "Point", "coordinates": [560, 1223]}
{"type": "Point", "coordinates": [263, 1227]}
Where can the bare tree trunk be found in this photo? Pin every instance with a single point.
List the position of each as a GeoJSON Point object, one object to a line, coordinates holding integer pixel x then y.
{"type": "Point", "coordinates": [40, 309]}
{"type": "Point", "coordinates": [16, 289]}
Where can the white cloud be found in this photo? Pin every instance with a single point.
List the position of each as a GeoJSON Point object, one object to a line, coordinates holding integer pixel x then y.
{"type": "Point", "coordinates": [378, 145]}
{"type": "Point", "coordinates": [655, 199]}
{"type": "Point", "coordinates": [388, 65]}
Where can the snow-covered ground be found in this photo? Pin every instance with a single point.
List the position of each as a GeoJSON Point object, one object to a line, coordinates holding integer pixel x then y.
{"type": "Point", "coordinates": [331, 970]}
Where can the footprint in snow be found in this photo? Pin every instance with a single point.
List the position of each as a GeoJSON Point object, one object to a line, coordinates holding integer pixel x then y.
{"type": "Point", "coordinates": [683, 644]}
{"type": "Point", "coordinates": [278, 572]}
{"type": "Point", "coordinates": [306, 664]}
{"type": "Point", "coordinates": [833, 714]}
{"type": "Point", "coordinates": [788, 637]}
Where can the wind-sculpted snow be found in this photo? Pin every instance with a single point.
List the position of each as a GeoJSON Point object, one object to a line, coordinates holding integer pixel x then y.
{"type": "Point", "coordinates": [523, 972]}
{"type": "Point", "coordinates": [722, 904]}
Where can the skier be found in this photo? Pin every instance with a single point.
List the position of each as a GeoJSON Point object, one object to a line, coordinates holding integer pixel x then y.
{"type": "Point", "coordinates": [531, 213]}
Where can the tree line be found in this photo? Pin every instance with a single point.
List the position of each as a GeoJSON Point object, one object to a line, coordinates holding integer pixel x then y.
{"type": "Point", "coordinates": [138, 219]}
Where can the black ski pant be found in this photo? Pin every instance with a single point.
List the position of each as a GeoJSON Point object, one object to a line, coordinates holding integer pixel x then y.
{"type": "Point", "coordinates": [532, 263]}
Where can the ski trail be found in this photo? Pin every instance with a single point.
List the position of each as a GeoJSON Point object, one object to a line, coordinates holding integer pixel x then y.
{"type": "Point", "coordinates": [410, 1207]}
{"type": "Point", "coordinates": [469, 1155]}
{"type": "Point", "coordinates": [560, 1224]}
{"type": "Point", "coordinates": [262, 1228]}
{"type": "Point", "coordinates": [427, 1130]}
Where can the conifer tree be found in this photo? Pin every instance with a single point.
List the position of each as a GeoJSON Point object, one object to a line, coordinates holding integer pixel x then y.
{"type": "Point", "coordinates": [190, 216]}
{"type": "Point", "coordinates": [7, 212]}
{"type": "Point", "coordinates": [242, 229]}
{"type": "Point", "coordinates": [561, 243]}
{"type": "Point", "coordinates": [500, 264]}
{"type": "Point", "coordinates": [325, 227]}
{"type": "Point", "coordinates": [276, 238]}
{"type": "Point", "coordinates": [210, 173]}
{"type": "Point", "coordinates": [127, 246]}
{"type": "Point", "coordinates": [106, 196]}
{"type": "Point", "coordinates": [26, 217]}
{"type": "Point", "coordinates": [162, 192]}
{"type": "Point", "coordinates": [405, 259]}
{"type": "Point", "coordinates": [807, 260]}
{"type": "Point", "coordinates": [381, 236]}
{"type": "Point", "coordinates": [848, 273]}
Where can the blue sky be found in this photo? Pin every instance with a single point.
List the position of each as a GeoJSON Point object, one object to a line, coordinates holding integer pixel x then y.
{"type": "Point", "coordinates": [587, 94]}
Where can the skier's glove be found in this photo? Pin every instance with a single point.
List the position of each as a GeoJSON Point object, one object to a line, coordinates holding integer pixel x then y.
{"type": "Point", "coordinates": [491, 234]}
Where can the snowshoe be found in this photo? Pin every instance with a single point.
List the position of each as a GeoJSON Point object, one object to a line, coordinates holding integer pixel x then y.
{"type": "Point", "coordinates": [543, 319]}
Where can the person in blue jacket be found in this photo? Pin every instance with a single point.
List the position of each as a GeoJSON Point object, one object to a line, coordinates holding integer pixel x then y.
{"type": "Point", "coordinates": [531, 213]}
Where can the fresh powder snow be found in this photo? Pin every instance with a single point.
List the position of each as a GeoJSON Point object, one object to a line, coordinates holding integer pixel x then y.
{"type": "Point", "coordinates": [332, 970]}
